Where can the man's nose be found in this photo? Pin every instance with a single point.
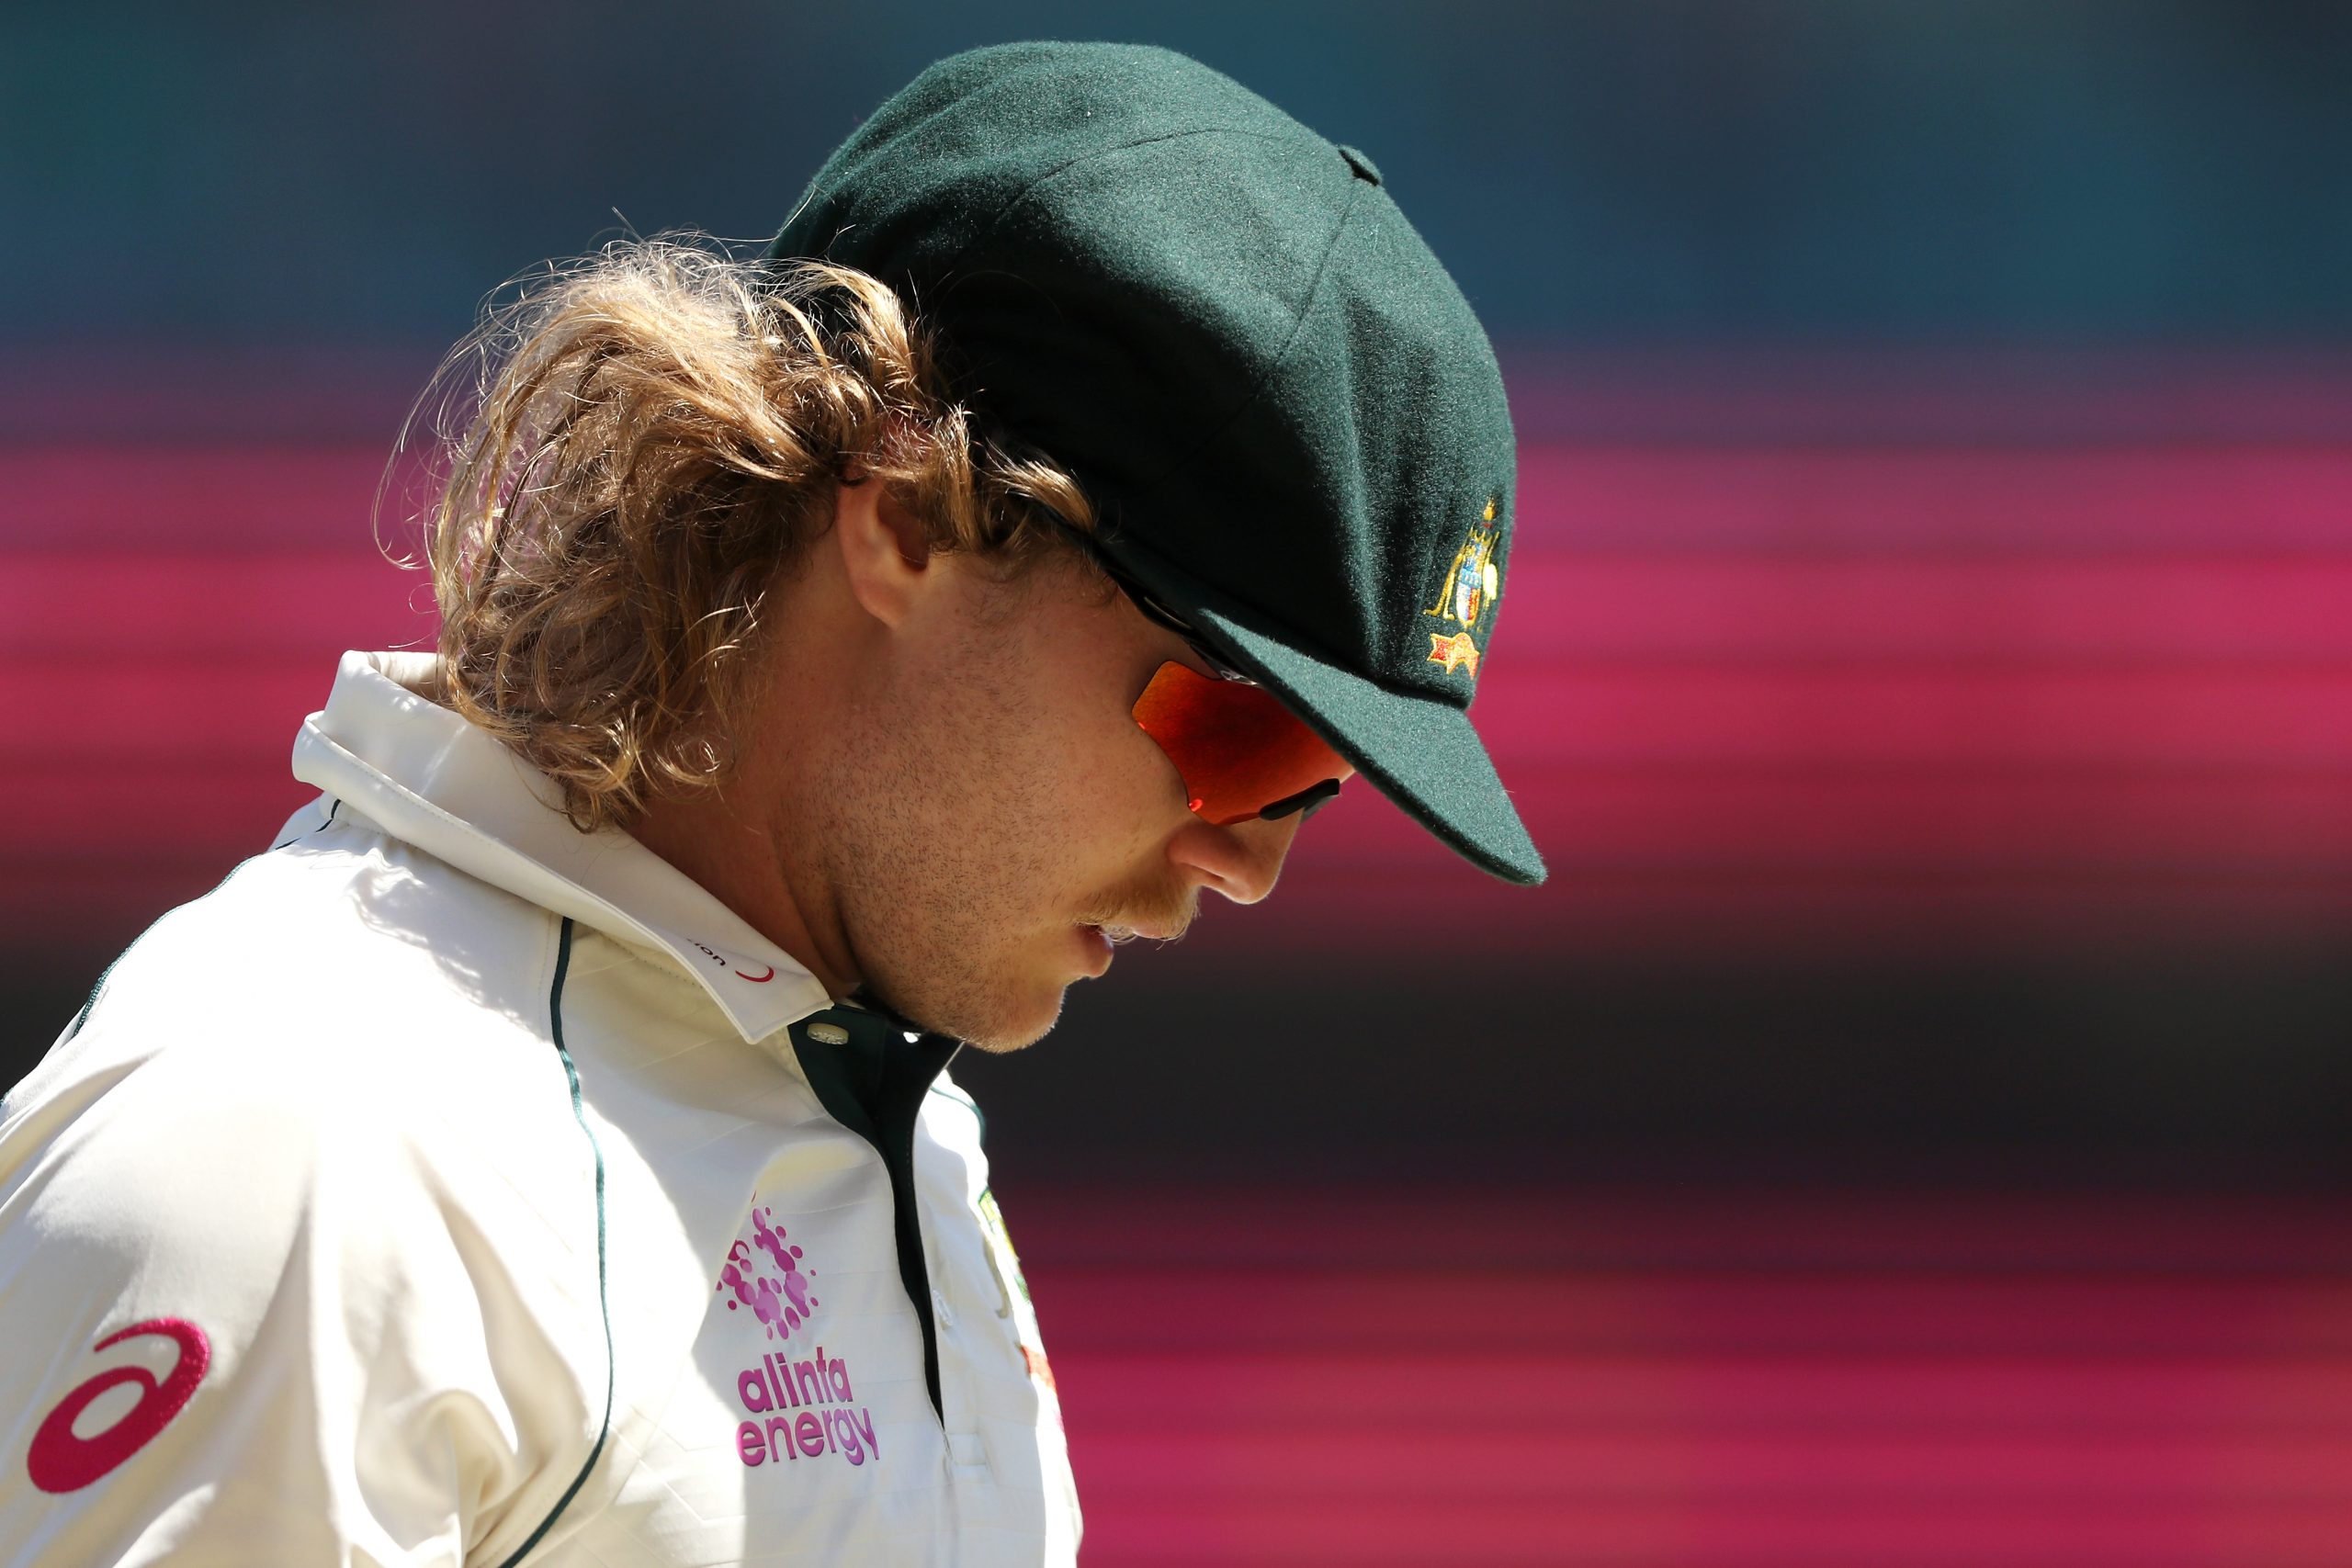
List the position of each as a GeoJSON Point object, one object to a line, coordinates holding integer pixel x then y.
{"type": "Point", "coordinates": [1240, 861]}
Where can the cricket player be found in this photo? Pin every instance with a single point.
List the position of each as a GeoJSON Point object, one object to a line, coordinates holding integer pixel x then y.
{"type": "Point", "coordinates": [544, 1152]}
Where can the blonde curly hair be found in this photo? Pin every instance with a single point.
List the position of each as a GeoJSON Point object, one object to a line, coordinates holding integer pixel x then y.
{"type": "Point", "coordinates": [626, 454]}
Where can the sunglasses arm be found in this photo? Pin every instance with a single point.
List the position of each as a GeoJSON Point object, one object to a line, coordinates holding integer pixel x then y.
{"type": "Point", "coordinates": [1305, 801]}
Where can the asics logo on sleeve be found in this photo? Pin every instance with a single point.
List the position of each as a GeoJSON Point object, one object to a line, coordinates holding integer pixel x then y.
{"type": "Point", "coordinates": [63, 1459]}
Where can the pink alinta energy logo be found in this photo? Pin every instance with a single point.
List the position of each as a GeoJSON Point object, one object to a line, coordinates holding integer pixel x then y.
{"type": "Point", "coordinates": [779, 1300]}
{"type": "Point", "coordinates": [800, 1409]}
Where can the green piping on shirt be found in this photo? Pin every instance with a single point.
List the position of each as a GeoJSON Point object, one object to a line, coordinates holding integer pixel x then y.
{"type": "Point", "coordinates": [604, 1305]}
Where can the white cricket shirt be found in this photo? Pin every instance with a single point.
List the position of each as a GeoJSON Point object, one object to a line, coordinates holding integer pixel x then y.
{"type": "Point", "coordinates": [450, 1186]}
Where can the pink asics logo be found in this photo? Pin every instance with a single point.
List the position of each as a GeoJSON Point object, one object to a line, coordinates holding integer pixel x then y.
{"type": "Point", "coordinates": [63, 1460]}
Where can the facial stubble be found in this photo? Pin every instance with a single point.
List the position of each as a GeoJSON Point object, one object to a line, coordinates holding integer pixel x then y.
{"type": "Point", "coordinates": [945, 835]}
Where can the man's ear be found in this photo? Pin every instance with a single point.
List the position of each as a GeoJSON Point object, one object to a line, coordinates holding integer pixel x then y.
{"type": "Point", "coordinates": [883, 549]}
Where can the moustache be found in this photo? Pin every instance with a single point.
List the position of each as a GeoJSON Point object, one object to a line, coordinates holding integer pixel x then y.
{"type": "Point", "coordinates": [1150, 909]}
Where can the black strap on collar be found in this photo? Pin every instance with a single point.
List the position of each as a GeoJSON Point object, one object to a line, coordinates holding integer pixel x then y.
{"type": "Point", "coordinates": [871, 1071]}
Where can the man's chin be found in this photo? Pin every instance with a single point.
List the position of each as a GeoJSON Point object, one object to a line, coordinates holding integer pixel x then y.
{"type": "Point", "coordinates": [1016, 1022]}
{"type": "Point", "coordinates": [997, 1025]}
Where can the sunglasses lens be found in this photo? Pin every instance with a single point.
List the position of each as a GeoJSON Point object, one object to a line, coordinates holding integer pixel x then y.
{"type": "Point", "coordinates": [1238, 749]}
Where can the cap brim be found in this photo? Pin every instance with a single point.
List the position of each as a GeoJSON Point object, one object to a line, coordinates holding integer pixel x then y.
{"type": "Point", "coordinates": [1420, 752]}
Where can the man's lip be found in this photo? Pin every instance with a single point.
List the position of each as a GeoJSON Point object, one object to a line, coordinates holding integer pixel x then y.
{"type": "Point", "coordinates": [1129, 933]}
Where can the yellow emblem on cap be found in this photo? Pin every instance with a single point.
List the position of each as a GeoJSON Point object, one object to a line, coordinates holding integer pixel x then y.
{"type": "Point", "coordinates": [1471, 583]}
{"type": "Point", "coordinates": [1455, 652]}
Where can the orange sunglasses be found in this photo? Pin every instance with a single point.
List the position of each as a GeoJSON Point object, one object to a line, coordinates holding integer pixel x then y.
{"type": "Point", "coordinates": [1241, 753]}
{"type": "Point", "coordinates": [1237, 750]}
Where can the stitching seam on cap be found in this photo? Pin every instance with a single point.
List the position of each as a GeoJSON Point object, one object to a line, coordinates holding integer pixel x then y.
{"type": "Point", "coordinates": [948, 271]}
{"type": "Point", "coordinates": [1273, 366]}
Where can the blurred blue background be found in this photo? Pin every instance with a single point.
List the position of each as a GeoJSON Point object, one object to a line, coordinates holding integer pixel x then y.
{"type": "Point", "coordinates": [1593, 174]}
{"type": "Point", "coordinates": [1928, 665]}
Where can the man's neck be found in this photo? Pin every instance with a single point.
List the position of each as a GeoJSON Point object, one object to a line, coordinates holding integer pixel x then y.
{"type": "Point", "coordinates": [736, 860]}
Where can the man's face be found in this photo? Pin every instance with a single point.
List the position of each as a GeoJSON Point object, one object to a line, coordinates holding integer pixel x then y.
{"type": "Point", "coordinates": [995, 819]}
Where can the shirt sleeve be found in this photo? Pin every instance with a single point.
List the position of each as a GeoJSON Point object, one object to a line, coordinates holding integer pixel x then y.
{"type": "Point", "coordinates": [274, 1305]}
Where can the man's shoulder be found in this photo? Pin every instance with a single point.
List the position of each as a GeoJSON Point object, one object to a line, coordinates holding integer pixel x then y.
{"type": "Point", "coordinates": [345, 932]}
{"type": "Point", "coordinates": [313, 1126]}
{"type": "Point", "coordinates": [343, 964]}
{"type": "Point", "coordinates": [341, 1021]}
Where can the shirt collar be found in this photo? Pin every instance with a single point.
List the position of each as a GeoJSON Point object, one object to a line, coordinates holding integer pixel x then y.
{"type": "Point", "coordinates": [426, 776]}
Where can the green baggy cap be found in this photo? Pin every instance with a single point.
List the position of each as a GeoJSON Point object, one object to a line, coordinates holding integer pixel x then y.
{"type": "Point", "coordinates": [1290, 422]}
